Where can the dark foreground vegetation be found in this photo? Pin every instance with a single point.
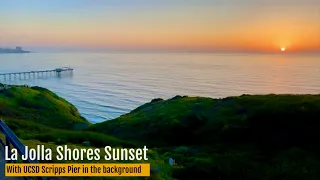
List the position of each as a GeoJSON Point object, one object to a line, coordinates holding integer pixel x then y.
{"type": "Point", "coordinates": [247, 137]}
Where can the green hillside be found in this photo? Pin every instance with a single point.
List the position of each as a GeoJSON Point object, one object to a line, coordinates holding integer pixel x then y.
{"type": "Point", "coordinates": [38, 116]}
{"type": "Point", "coordinates": [246, 137]}
{"type": "Point", "coordinates": [37, 113]}
{"type": "Point", "coordinates": [250, 137]}
{"type": "Point", "coordinates": [40, 106]}
{"type": "Point", "coordinates": [196, 120]}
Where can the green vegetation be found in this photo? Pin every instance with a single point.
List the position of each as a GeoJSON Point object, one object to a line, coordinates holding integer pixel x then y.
{"type": "Point", "coordinates": [38, 116]}
{"type": "Point", "coordinates": [247, 137]}
{"type": "Point", "coordinates": [40, 106]}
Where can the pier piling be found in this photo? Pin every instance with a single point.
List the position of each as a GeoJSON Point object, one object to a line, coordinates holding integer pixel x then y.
{"type": "Point", "coordinates": [36, 74]}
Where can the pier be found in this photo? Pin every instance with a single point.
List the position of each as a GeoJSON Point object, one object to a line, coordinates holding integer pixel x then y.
{"type": "Point", "coordinates": [36, 74]}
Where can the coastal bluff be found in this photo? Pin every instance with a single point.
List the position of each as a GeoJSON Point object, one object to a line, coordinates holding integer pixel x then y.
{"type": "Point", "coordinates": [242, 137]}
{"type": "Point", "coordinates": [10, 50]}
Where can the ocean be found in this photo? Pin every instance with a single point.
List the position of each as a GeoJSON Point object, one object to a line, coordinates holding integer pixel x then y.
{"type": "Point", "coordinates": [104, 86]}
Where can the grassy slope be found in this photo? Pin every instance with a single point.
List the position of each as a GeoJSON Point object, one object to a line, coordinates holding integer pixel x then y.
{"type": "Point", "coordinates": [38, 116]}
{"type": "Point", "coordinates": [148, 122]}
{"type": "Point", "coordinates": [40, 106]}
{"type": "Point", "coordinates": [37, 113]}
{"type": "Point", "coordinates": [246, 137]}
{"type": "Point", "coordinates": [204, 120]}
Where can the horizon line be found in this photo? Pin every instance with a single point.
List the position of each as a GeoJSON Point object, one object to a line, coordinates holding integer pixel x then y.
{"type": "Point", "coordinates": [193, 51]}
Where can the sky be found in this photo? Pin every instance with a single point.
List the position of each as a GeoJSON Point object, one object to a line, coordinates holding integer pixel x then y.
{"type": "Point", "coordinates": [170, 25]}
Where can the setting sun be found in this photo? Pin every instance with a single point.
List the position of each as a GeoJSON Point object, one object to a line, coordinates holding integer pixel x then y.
{"type": "Point", "coordinates": [283, 49]}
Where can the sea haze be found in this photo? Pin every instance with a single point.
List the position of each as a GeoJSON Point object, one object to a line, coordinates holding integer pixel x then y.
{"type": "Point", "coordinates": [106, 85]}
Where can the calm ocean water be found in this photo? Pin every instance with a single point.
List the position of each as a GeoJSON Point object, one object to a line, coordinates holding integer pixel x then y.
{"type": "Point", "coordinates": [107, 85]}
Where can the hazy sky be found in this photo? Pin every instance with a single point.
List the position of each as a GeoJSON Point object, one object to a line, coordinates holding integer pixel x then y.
{"type": "Point", "coordinates": [232, 25]}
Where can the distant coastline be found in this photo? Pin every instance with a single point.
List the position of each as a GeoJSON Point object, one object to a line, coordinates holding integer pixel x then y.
{"type": "Point", "coordinates": [16, 50]}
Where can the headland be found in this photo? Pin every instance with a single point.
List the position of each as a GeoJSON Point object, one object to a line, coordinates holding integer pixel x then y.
{"type": "Point", "coordinates": [243, 137]}
{"type": "Point", "coordinates": [10, 50]}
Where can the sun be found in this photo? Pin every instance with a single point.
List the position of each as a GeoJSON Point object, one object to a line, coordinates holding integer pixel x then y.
{"type": "Point", "coordinates": [283, 49]}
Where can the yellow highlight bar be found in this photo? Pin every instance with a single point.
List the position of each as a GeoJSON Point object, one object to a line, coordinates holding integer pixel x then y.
{"type": "Point", "coordinates": [67, 170]}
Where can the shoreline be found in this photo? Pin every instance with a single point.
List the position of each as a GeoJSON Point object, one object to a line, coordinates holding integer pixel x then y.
{"type": "Point", "coordinates": [199, 132]}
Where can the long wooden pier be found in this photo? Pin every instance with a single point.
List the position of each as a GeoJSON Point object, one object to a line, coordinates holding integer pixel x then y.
{"type": "Point", "coordinates": [36, 74]}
